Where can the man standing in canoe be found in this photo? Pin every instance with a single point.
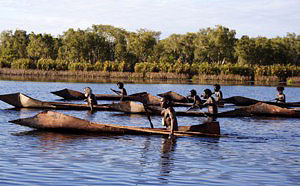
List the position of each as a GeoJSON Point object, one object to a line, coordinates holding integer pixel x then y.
{"type": "Point", "coordinates": [168, 114]}
{"type": "Point", "coordinates": [280, 97]}
{"type": "Point", "coordinates": [122, 91]}
{"type": "Point", "coordinates": [90, 97]}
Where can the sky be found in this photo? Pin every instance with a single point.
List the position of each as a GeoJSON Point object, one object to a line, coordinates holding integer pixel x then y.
{"type": "Point", "coordinates": [268, 18]}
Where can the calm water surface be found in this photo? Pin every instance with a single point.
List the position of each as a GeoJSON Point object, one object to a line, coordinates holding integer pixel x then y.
{"type": "Point", "coordinates": [252, 151]}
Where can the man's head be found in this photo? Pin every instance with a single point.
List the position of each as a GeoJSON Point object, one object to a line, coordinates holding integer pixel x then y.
{"type": "Point", "coordinates": [166, 101]}
{"type": "Point", "coordinates": [217, 87]}
{"type": "Point", "coordinates": [280, 89]}
{"type": "Point", "coordinates": [193, 92]}
{"type": "Point", "coordinates": [87, 91]}
{"type": "Point", "coordinates": [207, 93]}
{"type": "Point", "coordinates": [120, 85]}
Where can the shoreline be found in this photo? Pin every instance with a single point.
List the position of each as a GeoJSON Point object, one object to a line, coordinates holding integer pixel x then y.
{"type": "Point", "coordinates": [134, 77]}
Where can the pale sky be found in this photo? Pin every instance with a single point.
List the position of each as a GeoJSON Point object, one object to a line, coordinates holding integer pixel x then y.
{"type": "Point", "coordinates": [269, 18]}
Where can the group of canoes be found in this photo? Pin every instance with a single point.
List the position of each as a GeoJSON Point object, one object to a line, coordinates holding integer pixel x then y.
{"type": "Point", "coordinates": [149, 106]}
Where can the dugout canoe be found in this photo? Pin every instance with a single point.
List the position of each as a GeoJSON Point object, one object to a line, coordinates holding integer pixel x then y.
{"type": "Point", "coordinates": [54, 121]}
{"type": "Point", "coordinates": [176, 97]}
{"type": "Point", "coordinates": [258, 109]}
{"type": "Point", "coordinates": [143, 97]}
{"type": "Point", "coordinates": [19, 100]}
{"type": "Point", "coordinates": [244, 101]}
{"type": "Point", "coordinates": [69, 94]}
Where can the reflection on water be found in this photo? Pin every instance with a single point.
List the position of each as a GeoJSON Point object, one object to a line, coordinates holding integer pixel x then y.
{"type": "Point", "coordinates": [168, 147]}
{"type": "Point", "coordinates": [51, 140]}
{"type": "Point", "coordinates": [255, 151]}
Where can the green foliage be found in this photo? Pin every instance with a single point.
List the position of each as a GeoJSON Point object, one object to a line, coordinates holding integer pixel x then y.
{"type": "Point", "coordinates": [13, 45]}
{"type": "Point", "coordinates": [4, 63]}
{"type": "Point", "coordinates": [61, 65]}
{"type": "Point", "coordinates": [23, 64]}
{"type": "Point", "coordinates": [42, 46]}
{"type": "Point", "coordinates": [210, 51]}
{"type": "Point", "coordinates": [98, 66]}
{"type": "Point", "coordinates": [80, 66]}
{"type": "Point", "coordinates": [46, 64]}
{"type": "Point", "coordinates": [215, 45]}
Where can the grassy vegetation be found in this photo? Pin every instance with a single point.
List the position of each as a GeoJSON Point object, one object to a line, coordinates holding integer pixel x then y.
{"type": "Point", "coordinates": [156, 71]}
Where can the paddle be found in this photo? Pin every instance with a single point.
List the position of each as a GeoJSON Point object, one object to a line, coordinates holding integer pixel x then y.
{"type": "Point", "coordinates": [148, 115]}
{"type": "Point", "coordinates": [139, 97]}
{"type": "Point", "coordinates": [200, 111]}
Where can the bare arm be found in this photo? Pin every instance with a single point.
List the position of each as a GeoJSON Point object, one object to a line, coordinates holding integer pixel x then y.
{"type": "Point", "coordinates": [115, 91]}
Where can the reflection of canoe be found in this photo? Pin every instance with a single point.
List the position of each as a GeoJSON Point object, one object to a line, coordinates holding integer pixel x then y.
{"type": "Point", "coordinates": [243, 101]}
{"type": "Point", "coordinates": [19, 100]}
{"type": "Point", "coordinates": [50, 120]}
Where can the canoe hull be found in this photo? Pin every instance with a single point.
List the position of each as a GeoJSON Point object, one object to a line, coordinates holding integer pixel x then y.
{"type": "Point", "coordinates": [19, 100]}
{"type": "Point", "coordinates": [50, 120]}
{"type": "Point", "coordinates": [76, 95]}
{"type": "Point", "coordinates": [258, 109]}
{"type": "Point", "coordinates": [244, 101]}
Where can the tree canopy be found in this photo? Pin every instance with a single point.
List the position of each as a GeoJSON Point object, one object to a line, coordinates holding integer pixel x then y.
{"type": "Point", "coordinates": [102, 43]}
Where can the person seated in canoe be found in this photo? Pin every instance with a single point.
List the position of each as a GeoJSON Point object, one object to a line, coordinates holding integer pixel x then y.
{"type": "Point", "coordinates": [90, 98]}
{"type": "Point", "coordinates": [280, 97]}
{"type": "Point", "coordinates": [122, 91]}
{"type": "Point", "coordinates": [210, 103]}
{"type": "Point", "coordinates": [168, 113]}
{"type": "Point", "coordinates": [196, 100]}
{"type": "Point", "coordinates": [218, 93]}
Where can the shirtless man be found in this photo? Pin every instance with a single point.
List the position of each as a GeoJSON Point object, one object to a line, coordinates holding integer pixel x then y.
{"type": "Point", "coordinates": [218, 93]}
{"type": "Point", "coordinates": [122, 91]}
{"type": "Point", "coordinates": [90, 97]}
{"type": "Point", "coordinates": [168, 115]}
{"type": "Point", "coordinates": [210, 102]}
{"type": "Point", "coordinates": [196, 100]}
{"type": "Point", "coordinates": [280, 97]}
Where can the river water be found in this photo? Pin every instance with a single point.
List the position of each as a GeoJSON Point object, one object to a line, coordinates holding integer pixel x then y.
{"type": "Point", "coordinates": [252, 151]}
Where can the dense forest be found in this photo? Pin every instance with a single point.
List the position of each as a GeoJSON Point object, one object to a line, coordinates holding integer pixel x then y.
{"type": "Point", "coordinates": [106, 48]}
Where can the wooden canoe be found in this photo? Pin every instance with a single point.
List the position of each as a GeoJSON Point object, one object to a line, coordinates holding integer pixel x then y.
{"type": "Point", "coordinates": [19, 100]}
{"type": "Point", "coordinates": [135, 108]}
{"type": "Point", "coordinates": [142, 97]}
{"type": "Point", "coordinates": [175, 97]}
{"type": "Point", "coordinates": [263, 109]}
{"type": "Point", "coordinates": [244, 101]}
{"type": "Point", "coordinates": [76, 95]}
{"type": "Point", "coordinates": [258, 109]}
{"type": "Point", "coordinates": [54, 121]}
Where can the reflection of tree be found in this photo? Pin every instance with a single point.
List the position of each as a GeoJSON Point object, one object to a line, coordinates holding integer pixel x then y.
{"type": "Point", "coordinates": [168, 146]}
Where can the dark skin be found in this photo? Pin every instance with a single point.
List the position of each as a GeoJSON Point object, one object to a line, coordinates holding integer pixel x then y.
{"type": "Point", "coordinates": [218, 93]}
{"type": "Point", "coordinates": [122, 91]}
{"type": "Point", "coordinates": [197, 101]}
{"type": "Point", "coordinates": [210, 103]}
{"type": "Point", "coordinates": [169, 116]}
{"type": "Point", "coordinates": [90, 97]}
{"type": "Point", "coordinates": [280, 96]}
